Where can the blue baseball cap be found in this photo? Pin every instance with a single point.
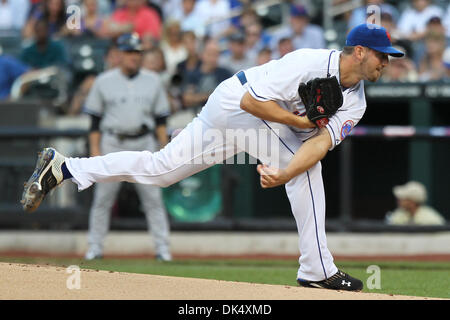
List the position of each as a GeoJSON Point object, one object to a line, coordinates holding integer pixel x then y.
{"type": "Point", "coordinates": [298, 11]}
{"type": "Point", "coordinates": [374, 37]}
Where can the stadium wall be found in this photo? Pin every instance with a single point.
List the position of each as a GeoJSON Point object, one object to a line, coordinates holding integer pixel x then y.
{"type": "Point", "coordinates": [199, 244]}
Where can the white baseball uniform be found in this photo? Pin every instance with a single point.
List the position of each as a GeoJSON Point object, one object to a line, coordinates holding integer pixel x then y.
{"type": "Point", "coordinates": [187, 154]}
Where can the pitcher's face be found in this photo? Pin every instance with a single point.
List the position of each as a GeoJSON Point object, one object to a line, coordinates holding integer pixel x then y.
{"type": "Point", "coordinates": [373, 64]}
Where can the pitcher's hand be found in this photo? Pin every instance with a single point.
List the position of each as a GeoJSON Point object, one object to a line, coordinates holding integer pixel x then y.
{"type": "Point", "coordinates": [272, 177]}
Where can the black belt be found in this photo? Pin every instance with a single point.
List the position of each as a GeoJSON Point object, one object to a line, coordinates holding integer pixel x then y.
{"type": "Point", "coordinates": [122, 136]}
{"type": "Point", "coordinates": [241, 76]}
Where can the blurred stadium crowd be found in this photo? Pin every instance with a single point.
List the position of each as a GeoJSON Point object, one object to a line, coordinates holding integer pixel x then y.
{"type": "Point", "coordinates": [195, 44]}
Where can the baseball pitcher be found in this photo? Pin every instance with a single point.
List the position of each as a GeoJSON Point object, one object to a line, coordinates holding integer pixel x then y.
{"type": "Point", "coordinates": [309, 100]}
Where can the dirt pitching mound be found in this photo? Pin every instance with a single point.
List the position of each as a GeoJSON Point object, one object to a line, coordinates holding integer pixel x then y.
{"type": "Point", "coordinates": [31, 282]}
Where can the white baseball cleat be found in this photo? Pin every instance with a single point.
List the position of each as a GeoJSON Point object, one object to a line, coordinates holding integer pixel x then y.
{"type": "Point", "coordinates": [93, 254]}
{"type": "Point", "coordinates": [46, 176]}
{"type": "Point", "coordinates": [163, 257]}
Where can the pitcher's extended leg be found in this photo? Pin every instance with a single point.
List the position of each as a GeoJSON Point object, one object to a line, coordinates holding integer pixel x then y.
{"type": "Point", "coordinates": [184, 156]}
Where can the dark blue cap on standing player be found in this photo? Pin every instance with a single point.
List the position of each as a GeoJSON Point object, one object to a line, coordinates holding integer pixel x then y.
{"type": "Point", "coordinates": [129, 42]}
{"type": "Point", "coordinates": [374, 37]}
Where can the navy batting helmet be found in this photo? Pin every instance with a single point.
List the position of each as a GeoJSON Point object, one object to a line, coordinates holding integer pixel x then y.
{"type": "Point", "coordinates": [129, 42]}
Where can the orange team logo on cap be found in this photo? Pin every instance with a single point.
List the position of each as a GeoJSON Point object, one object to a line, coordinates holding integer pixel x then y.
{"type": "Point", "coordinates": [389, 36]}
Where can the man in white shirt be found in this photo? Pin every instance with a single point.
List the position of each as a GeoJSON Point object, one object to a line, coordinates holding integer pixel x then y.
{"type": "Point", "coordinates": [258, 111]}
{"type": "Point", "coordinates": [301, 31]}
{"type": "Point", "coordinates": [413, 21]}
{"type": "Point", "coordinates": [189, 17]}
{"type": "Point", "coordinates": [13, 14]}
{"type": "Point", "coordinates": [411, 209]}
{"type": "Point", "coordinates": [236, 59]}
{"type": "Point", "coordinates": [215, 15]}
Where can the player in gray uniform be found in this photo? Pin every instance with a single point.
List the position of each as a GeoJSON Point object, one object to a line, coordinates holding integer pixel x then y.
{"type": "Point", "coordinates": [127, 105]}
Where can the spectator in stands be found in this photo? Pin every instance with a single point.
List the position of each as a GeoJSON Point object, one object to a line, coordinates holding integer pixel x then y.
{"type": "Point", "coordinates": [413, 21]}
{"type": "Point", "coordinates": [44, 51]}
{"type": "Point", "coordinates": [112, 60]}
{"type": "Point", "coordinates": [235, 59]}
{"type": "Point", "coordinates": [166, 7]}
{"type": "Point", "coordinates": [388, 22]}
{"type": "Point", "coordinates": [248, 17]}
{"type": "Point", "coordinates": [446, 22]}
{"type": "Point", "coordinates": [430, 68]}
{"type": "Point", "coordinates": [215, 15]}
{"type": "Point", "coordinates": [411, 208]}
{"type": "Point", "coordinates": [104, 7]}
{"type": "Point", "coordinates": [285, 46]}
{"type": "Point", "coordinates": [10, 69]}
{"type": "Point", "coordinates": [301, 31]}
{"type": "Point", "coordinates": [264, 56]}
{"type": "Point", "coordinates": [190, 18]}
{"type": "Point", "coordinates": [92, 23]}
{"type": "Point", "coordinates": [200, 84]}
{"type": "Point", "coordinates": [13, 14]}
{"type": "Point", "coordinates": [400, 70]}
{"type": "Point", "coordinates": [181, 115]}
{"type": "Point", "coordinates": [256, 39]}
{"type": "Point", "coordinates": [192, 63]}
{"type": "Point", "coordinates": [154, 60]}
{"type": "Point", "coordinates": [137, 17]}
{"type": "Point", "coordinates": [148, 42]}
{"type": "Point", "coordinates": [446, 62]}
{"type": "Point", "coordinates": [172, 46]}
{"type": "Point", "coordinates": [240, 5]}
{"type": "Point", "coordinates": [51, 11]}
{"type": "Point", "coordinates": [362, 15]}
{"type": "Point", "coordinates": [435, 25]}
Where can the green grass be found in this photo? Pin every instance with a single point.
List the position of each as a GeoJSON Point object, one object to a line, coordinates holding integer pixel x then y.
{"type": "Point", "coordinates": [428, 279]}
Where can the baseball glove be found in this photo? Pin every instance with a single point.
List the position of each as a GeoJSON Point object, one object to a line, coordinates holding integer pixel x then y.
{"type": "Point", "coordinates": [322, 97]}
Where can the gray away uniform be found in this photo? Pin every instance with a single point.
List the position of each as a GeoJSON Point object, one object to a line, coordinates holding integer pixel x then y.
{"type": "Point", "coordinates": [125, 105]}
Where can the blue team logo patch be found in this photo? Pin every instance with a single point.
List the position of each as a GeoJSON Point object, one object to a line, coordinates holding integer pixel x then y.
{"type": "Point", "coordinates": [346, 128]}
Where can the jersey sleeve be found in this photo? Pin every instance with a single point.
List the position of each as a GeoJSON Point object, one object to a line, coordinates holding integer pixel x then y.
{"type": "Point", "coordinates": [94, 104]}
{"type": "Point", "coordinates": [280, 81]}
{"type": "Point", "coordinates": [347, 117]}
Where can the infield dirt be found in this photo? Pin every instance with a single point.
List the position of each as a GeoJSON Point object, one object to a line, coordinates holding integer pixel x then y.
{"type": "Point", "coordinates": [31, 282]}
